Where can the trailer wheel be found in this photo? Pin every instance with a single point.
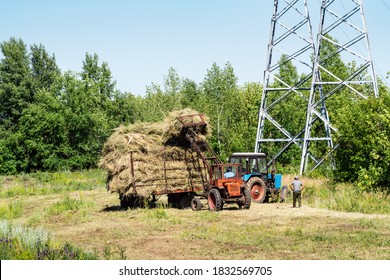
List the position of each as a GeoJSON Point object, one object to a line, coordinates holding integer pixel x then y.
{"type": "Point", "coordinates": [133, 201]}
{"type": "Point", "coordinates": [185, 201]}
{"type": "Point", "coordinates": [257, 189]}
{"type": "Point", "coordinates": [196, 205]}
{"type": "Point", "coordinates": [214, 200]}
{"type": "Point", "coordinates": [124, 200]}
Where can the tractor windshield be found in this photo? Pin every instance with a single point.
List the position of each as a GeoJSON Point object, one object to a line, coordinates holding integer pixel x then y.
{"type": "Point", "coordinates": [258, 165]}
{"type": "Point", "coordinates": [251, 164]}
{"type": "Point", "coordinates": [226, 171]}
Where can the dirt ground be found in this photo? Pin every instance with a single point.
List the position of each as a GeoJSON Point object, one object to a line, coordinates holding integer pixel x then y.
{"type": "Point", "coordinates": [265, 231]}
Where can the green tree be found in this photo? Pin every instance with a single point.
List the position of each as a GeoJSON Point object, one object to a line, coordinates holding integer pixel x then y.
{"type": "Point", "coordinates": [42, 131]}
{"type": "Point", "coordinates": [220, 91]}
{"type": "Point", "coordinates": [156, 104]}
{"type": "Point", "coordinates": [87, 125]}
{"type": "Point", "coordinates": [364, 138]}
{"type": "Point", "coordinates": [11, 152]}
{"type": "Point", "coordinates": [241, 134]}
{"type": "Point", "coordinates": [287, 72]}
{"type": "Point", "coordinates": [191, 94]}
{"type": "Point", "coordinates": [44, 68]}
{"type": "Point", "coordinates": [160, 100]}
{"type": "Point", "coordinates": [125, 108]}
{"type": "Point", "coordinates": [98, 81]}
{"type": "Point", "coordinates": [14, 82]}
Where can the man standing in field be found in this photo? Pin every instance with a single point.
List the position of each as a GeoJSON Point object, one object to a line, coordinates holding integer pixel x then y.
{"type": "Point", "coordinates": [297, 187]}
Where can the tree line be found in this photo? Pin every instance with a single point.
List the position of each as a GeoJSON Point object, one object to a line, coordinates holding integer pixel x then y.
{"type": "Point", "coordinates": [50, 120]}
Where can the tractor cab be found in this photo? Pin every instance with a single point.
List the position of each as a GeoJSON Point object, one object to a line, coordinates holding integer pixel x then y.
{"type": "Point", "coordinates": [228, 177]}
{"type": "Point", "coordinates": [253, 164]}
{"type": "Point", "coordinates": [262, 185]}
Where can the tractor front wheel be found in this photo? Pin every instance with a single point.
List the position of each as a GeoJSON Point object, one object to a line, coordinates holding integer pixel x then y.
{"type": "Point", "coordinates": [214, 200]}
{"type": "Point", "coordinates": [246, 195]}
{"type": "Point", "coordinates": [248, 198]}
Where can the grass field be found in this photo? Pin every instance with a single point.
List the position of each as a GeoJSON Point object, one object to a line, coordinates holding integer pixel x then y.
{"type": "Point", "coordinates": [79, 216]}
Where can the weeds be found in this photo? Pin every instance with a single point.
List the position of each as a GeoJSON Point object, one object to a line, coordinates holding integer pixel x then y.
{"type": "Point", "coordinates": [107, 253]}
{"type": "Point", "coordinates": [122, 253]}
{"type": "Point", "coordinates": [347, 198]}
{"type": "Point", "coordinates": [21, 243]}
{"type": "Point", "coordinates": [118, 254]}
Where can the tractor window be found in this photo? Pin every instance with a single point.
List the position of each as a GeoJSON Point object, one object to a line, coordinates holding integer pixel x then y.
{"type": "Point", "coordinates": [251, 164]}
{"type": "Point", "coordinates": [262, 165]}
{"type": "Point", "coordinates": [229, 172]}
{"type": "Point", "coordinates": [239, 160]}
{"type": "Point", "coordinates": [258, 165]}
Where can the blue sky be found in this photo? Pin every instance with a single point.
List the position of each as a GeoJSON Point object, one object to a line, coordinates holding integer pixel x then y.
{"type": "Point", "coordinates": [141, 39]}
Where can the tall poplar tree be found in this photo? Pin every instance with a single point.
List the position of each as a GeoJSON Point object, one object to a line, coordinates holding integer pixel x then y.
{"type": "Point", "coordinates": [15, 81]}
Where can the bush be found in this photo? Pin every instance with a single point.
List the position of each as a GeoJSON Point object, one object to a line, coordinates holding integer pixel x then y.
{"type": "Point", "coordinates": [364, 152]}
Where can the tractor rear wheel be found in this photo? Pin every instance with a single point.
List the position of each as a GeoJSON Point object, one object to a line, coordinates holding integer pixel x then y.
{"type": "Point", "coordinates": [214, 200]}
{"type": "Point", "coordinates": [257, 189]}
{"type": "Point", "coordinates": [196, 205]}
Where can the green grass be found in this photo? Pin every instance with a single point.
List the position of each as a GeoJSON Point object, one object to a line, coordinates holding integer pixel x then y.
{"type": "Point", "coordinates": [68, 204]}
{"type": "Point", "coordinates": [11, 210]}
{"type": "Point", "coordinates": [157, 214]}
{"type": "Point", "coordinates": [209, 216]}
{"type": "Point", "coordinates": [45, 183]}
{"type": "Point", "coordinates": [347, 198]}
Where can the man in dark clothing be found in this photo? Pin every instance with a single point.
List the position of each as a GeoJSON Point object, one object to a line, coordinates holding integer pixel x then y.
{"type": "Point", "coordinates": [297, 187]}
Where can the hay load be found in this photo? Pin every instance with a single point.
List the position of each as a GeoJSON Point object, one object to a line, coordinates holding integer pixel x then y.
{"type": "Point", "coordinates": [173, 126]}
{"type": "Point", "coordinates": [145, 158]}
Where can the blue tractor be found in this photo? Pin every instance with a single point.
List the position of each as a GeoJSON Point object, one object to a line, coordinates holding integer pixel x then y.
{"type": "Point", "coordinates": [262, 184]}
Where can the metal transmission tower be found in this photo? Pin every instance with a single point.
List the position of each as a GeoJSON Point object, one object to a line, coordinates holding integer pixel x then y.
{"type": "Point", "coordinates": [290, 49]}
{"type": "Point", "coordinates": [343, 71]}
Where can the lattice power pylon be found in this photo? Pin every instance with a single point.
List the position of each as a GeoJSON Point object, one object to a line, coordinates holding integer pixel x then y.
{"type": "Point", "coordinates": [338, 64]}
{"type": "Point", "coordinates": [291, 42]}
{"type": "Point", "coordinates": [342, 35]}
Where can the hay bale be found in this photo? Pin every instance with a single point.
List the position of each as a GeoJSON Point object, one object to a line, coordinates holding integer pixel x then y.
{"type": "Point", "coordinates": [157, 165]}
{"type": "Point", "coordinates": [173, 127]}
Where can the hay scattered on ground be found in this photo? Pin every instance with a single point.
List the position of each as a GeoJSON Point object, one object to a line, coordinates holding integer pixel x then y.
{"type": "Point", "coordinates": [162, 160]}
